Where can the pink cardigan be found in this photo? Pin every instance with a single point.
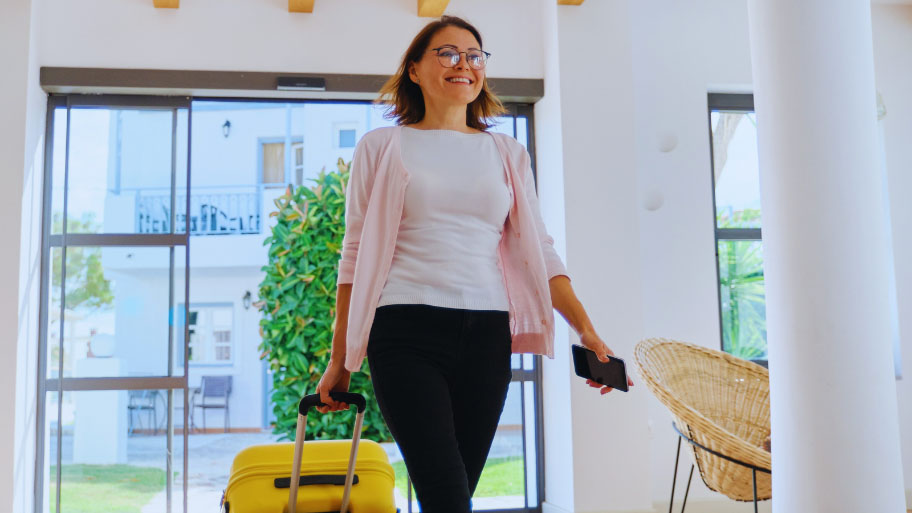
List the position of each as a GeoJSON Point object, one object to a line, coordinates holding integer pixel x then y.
{"type": "Point", "coordinates": [375, 196]}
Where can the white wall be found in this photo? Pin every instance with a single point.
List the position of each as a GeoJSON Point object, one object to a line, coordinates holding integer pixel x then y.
{"type": "Point", "coordinates": [892, 43]}
{"type": "Point", "coordinates": [341, 36]}
{"type": "Point", "coordinates": [610, 437]}
{"type": "Point", "coordinates": [557, 428]}
{"type": "Point", "coordinates": [22, 146]}
{"type": "Point", "coordinates": [681, 51]}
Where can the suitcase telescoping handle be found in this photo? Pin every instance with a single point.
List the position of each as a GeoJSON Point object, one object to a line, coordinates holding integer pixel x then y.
{"type": "Point", "coordinates": [304, 406]}
{"type": "Point", "coordinates": [313, 401]}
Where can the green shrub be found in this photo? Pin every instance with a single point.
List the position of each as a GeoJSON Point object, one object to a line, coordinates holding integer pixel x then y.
{"type": "Point", "coordinates": [297, 300]}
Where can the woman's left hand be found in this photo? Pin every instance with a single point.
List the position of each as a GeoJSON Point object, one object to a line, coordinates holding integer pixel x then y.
{"type": "Point", "coordinates": [591, 340]}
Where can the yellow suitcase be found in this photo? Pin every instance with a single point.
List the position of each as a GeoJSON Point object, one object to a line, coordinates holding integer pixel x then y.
{"type": "Point", "coordinates": [316, 476]}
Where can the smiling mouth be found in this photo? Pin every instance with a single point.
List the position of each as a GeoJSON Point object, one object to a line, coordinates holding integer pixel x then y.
{"type": "Point", "coordinates": [461, 82]}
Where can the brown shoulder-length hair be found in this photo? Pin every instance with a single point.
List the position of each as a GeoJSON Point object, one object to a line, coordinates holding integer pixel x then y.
{"type": "Point", "coordinates": [404, 97]}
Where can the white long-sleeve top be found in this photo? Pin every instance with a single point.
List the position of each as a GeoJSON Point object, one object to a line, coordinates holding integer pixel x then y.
{"type": "Point", "coordinates": [456, 203]}
{"type": "Point", "coordinates": [374, 201]}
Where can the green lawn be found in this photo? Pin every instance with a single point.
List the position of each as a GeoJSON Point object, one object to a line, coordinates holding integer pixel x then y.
{"type": "Point", "coordinates": [105, 488]}
{"type": "Point", "coordinates": [501, 476]}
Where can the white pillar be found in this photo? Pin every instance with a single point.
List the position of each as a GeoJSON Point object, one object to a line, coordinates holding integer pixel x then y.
{"type": "Point", "coordinates": [609, 444]}
{"type": "Point", "coordinates": [557, 423]}
{"type": "Point", "coordinates": [835, 434]}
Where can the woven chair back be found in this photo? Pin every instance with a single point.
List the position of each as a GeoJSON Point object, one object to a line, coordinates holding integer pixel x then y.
{"type": "Point", "coordinates": [717, 400]}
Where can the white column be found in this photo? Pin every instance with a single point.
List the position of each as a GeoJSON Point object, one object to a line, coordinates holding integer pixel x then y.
{"type": "Point", "coordinates": [557, 422]}
{"type": "Point", "coordinates": [609, 443]}
{"type": "Point", "coordinates": [835, 434]}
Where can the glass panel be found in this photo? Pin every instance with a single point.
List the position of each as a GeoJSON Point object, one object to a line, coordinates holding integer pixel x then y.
{"type": "Point", "coordinates": [116, 317]}
{"type": "Point", "coordinates": [502, 484]}
{"type": "Point", "coordinates": [376, 117]}
{"type": "Point", "coordinates": [743, 299]}
{"type": "Point", "coordinates": [180, 176]}
{"type": "Point", "coordinates": [211, 448]}
{"type": "Point", "coordinates": [236, 178]}
{"type": "Point", "coordinates": [528, 361]}
{"type": "Point", "coordinates": [49, 465]}
{"type": "Point", "coordinates": [58, 169]}
{"type": "Point", "coordinates": [228, 266]}
{"type": "Point", "coordinates": [228, 256]}
{"type": "Point", "coordinates": [531, 447]}
{"type": "Point", "coordinates": [114, 451]}
{"type": "Point", "coordinates": [119, 171]}
{"type": "Point", "coordinates": [516, 361]}
{"type": "Point", "coordinates": [53, 314]}
{"type": "Point", "coordinates": [522, 131]}
{"type": "Point", "coordinates": [323, 125]}
{"type": "Point", "coordinates": [178, 316]}
{"type": "Point", "coordinates": [735, 164]}
{"type": "Point", "coordinates": [400, 492]}
{"type": "Point", "coordinates": [503, 125]}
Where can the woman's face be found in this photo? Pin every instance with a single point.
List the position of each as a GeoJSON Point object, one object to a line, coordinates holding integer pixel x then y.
{"type": "Point", "coordinates": [436, 81]}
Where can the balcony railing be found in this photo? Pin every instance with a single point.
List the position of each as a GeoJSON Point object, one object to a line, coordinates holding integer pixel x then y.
{"type": "Point", "coordinates": [213, 211]}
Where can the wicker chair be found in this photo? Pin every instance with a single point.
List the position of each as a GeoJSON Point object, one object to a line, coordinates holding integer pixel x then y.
{"type": "Point", "coordinates": [720, 405]}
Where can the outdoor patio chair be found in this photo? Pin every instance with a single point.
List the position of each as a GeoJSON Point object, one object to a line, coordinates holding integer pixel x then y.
{"type": "Point", "coordinates": [142, 401]}
{"type": "Point", "coordinates": [214, 392]}
{"type": "Point", "coordinates": [720, 405]}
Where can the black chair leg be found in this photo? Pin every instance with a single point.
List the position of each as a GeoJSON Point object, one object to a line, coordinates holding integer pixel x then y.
{"type": "Point", "coordinates": [754, 472]}
{"type": "Point", "coordinates": [674, 477]}
{"type": "Point", "coordinates": [687, 491]}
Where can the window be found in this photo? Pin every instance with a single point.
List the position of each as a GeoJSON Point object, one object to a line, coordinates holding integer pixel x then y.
{"type": "Point", "coordinates": [211, 328]}
{"type": "Point", "coordinates": [274, 161]}
{"type": "Point", "coordinates": [736, 198]}
{"type": "Point", "coordinates": [346, 138]}
{"type": "Point", "coordinates": [298, 152]}
{"type": "Point", "coordinates": [345, 133]}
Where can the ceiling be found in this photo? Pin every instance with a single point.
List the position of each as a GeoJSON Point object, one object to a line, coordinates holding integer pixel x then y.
{"type": "Point", "coordinates": [426, 8]}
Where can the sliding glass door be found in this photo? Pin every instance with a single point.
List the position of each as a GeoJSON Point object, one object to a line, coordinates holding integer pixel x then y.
{"type": "Point", "coordinates": [152, 375]}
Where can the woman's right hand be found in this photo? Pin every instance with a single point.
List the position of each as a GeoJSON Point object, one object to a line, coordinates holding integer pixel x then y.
{"type": "Point", "coordinates": [335, 378]}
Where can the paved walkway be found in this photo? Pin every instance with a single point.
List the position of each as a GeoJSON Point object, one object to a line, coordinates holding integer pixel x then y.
{"type": "Point", "coordinates": [211, 456]}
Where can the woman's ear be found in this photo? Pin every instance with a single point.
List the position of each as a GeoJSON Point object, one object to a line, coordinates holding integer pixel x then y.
{"type": "Point", "coordinates": [411, 72]}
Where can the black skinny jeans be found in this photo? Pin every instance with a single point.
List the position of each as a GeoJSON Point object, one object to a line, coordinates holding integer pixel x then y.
{"type": "Point", "coordinates": [440, 376]}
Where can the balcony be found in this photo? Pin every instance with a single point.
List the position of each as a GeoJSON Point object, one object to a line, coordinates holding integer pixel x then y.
{"type": "Point", "coordinates": [213, 211]}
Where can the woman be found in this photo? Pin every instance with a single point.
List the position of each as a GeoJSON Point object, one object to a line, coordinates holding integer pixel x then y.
{"type": "Point", "coordinates": [455, 270]}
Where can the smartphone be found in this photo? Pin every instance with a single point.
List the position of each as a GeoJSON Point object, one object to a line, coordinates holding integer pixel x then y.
{"type": "Point", "coordinates": [587, 365]}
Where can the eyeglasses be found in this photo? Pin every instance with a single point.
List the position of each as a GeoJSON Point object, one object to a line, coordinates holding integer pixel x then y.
{"type": "Point", "coordinates": [449, 56]}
